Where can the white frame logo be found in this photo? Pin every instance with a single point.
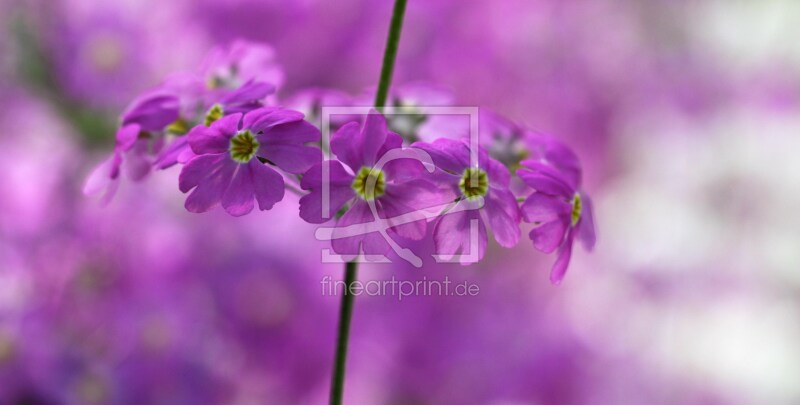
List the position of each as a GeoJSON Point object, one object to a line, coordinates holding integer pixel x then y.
{"type": "Point", "coordinates": [381, 225]}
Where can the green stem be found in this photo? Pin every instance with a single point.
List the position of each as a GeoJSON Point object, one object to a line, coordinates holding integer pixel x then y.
{"type": "Point", "coordinates": [351, 268]}
{"type": "Point", "coordinates": [390, 54]}
{"type": "Point", "coordinates": [345, 315]}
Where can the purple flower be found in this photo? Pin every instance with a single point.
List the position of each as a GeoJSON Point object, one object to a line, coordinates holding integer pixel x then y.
{"type": "Point", "coordinates": [481, 194]}
{"type": "Point", "coordinates": [549, 150]}
{"type": "Point", "coordinates": [247, 97]}
{"type": "Point", "coordinates": [228, 169]}
{"type": "Point", "coordinates": [146, 138]}
{"type": "Point", "coordinates": [370, 173]}
{"type": "Point", "coordinates": [561, 213]}
{"type": "Point", "coordinates": [203, 107]}
{"type": "Point", "coordinates": [90, 57]}
{"type": "Point", "coordinates": [502, 137]}
{"type": "Point", "coordinates": [140, 135]}
{"type": "Point", "coordinates": [153, 110]}
{"type": "Point", "coordinates": [178, 151]}
{"type": "Point", "coordinates": [232, 80]}
{"type": "Point", "coordinates": [130, 156]}
{"type": "Point", "coordinates": [311, 100]}
{"type": "Point", "coordinates": [409, 112]}
{"type": "Point", "coordinates": [202, 104]}
{"type": "Point", "coordinates": [102, 54]}
{"type": "Point", "coordinates": [240, 62]}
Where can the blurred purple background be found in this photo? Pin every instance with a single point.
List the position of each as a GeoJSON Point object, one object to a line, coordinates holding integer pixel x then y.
{"type": "Point", "coordinates": [686, 115]}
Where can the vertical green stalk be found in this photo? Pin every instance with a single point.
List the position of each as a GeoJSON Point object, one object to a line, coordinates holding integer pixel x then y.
{"type": "Point", "coordinates": [390, 53]}
{"type": "Point", "coordinates": [351, 268]}
{"type": "Point", "coordinates": [345, 315]}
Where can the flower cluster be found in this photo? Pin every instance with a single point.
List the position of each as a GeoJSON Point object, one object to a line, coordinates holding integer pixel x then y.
{"type": "Point", "coordinates": [405, 176]}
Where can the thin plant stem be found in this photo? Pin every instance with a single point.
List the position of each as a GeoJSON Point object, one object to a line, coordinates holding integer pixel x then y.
{"type": "Point", "coordinates": [390, 53]}
{"type": "Point", "coordinates": [345, 315]}
{"type": "Point", "coordinates": [351, 268]}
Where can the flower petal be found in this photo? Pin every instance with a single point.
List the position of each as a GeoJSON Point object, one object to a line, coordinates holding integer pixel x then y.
{"type": "Point", "coordinates": [393, 141]}
{"type": "Point", "coordinates": [373, 136]}
{"type": "Point", "coordinates": [296, 132]}
{"type": "Point", "coordinates": [137, 162]}
{"type": "Point", "coordinates": [453, 232]}
{"type": "Point", "coordinates": [586, 227]}
{"type": "Point", "coordinates": [550, 235]}
{"type": "Point", "coordinates": [104, 179]}
{"type": "Point", "coordinates": [414, 223]}
{"type": "Point", "coordinates": [216, 138]}
{"type": "Point", "coordinates": [250, 91]}
{"type": "Point", "coordinates": [344, 144]}
{"type": "Point", "coordinates": [419, 194]}
{"type": "Point", "coordinates": [552, 151]}
{"type": "Point", "coordinates": [291, 158]}
{"type": "Point", "coordinates": [172, 154]}
{"type": "Point", "coordinates": [336, 176]}
{"type": "Point", "coordinates": [545, 178]}
{"type": "Point", "coordinates": [127, 136]}
{"type": "Point", "coordinates": [228, 125]}
{"type": "Point", "coordinates": [285, 146]}
{"type": "Point", "coordinates": [450, 155]}
{"type": "Point", "coordinates": [196, 170]}
{"type": "Point", "coordinates": [562, 261]}
{"type": "Point", "coordinates": [311, 204]}
{"type": "Point", "coordinates": [404, 164]}
{"type": "Point", "coordinates": [541, 207]}
{"type": "Point", "coordinates": [545, 184]}
{"type": "Point", "coordinates": [501, 208]}
{"type": "Point", "coordinates": [352, 235]}
{"type": "Point", "coordinates": [186, 155]}
{"type": "Point", "coordinates": [209, 191]}
{"type": "Point", "coordinates": [238, 197]}
{"type": "Point", "coordinates": [267, 184]}
{"type": "Point", "coordinates": [264, 118]}
{"type": "Point", "coordinates": [498, 173]}
{"type": "Point", "coordinates": [153, 111]}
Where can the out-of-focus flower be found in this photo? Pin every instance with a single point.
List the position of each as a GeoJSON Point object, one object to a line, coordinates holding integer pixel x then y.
{"type": "Point", "coordinates": [233, 76]}
{"type": "Point", "coordinates": [129, 150]}
{"type": "Point", "coordinates": [153, 125]}
{"type": "Point", "coordinates": [139, 138]}
{"type": "Point", "coordinates": [93, 57]}
{"type": "Point", "coordinates": [103, 54]}
{"type": "Point", "coordinates": [153, 110]}
{"type": "Point", "coordinates": [549, 150]}
{"type": "Point", "coordinates": [228, 169]}
{"type": "Point", "coordinates": [203, 107]}
{"type": "Point", "coordinates": [241, 61]}
{"type": "Point", "coordinates": [311, 101]}
{"type": "Point", "coordinates": [409, 112]}
{"type": "Point", "coordinates": [561, 212]}
{"type": "Point", "coordinates": [476, 189]}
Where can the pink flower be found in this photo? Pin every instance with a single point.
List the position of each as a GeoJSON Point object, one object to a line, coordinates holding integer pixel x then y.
{"type": "Point", "coordinates": [228, 168]}
{"type": "Point", "coordinates": [481, 194]}
{"type": "Point", "coordinates": [561, 212]}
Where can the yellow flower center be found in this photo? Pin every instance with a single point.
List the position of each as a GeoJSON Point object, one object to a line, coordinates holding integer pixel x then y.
{"type": "Point", "coordinates": [474, 183]}
{"type": "Point", "coordinates": [243, 146]}
{"type": "Point", "coordinates": [576, 209]}
{"type": "Point", "coordinates": [214, 113]}
{"type": "Point", "coordinates": [369, 183]}
{"type": "Point", "coordinates": [178, 127]}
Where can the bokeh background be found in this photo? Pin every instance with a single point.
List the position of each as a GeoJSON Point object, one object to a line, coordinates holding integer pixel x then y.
{"type": "Point", "coordinates": [686, 115]}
